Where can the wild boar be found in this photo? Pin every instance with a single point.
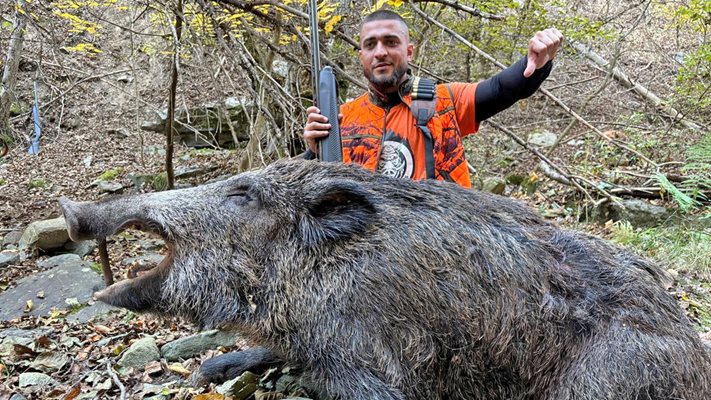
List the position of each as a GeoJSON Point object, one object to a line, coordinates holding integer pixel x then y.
{"type": "Point", "coordinates": [381, 288]}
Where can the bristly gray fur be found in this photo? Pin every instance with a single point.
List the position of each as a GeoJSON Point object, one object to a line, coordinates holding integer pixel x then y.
{"type": "Point", "coordinates": [391, 289]}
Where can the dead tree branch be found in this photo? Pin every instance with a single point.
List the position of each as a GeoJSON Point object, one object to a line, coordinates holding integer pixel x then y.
{"type": "Point", "coordinates": [626, 81]}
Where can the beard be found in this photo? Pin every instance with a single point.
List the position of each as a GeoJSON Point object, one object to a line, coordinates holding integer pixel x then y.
{"type": "Point", "coordinates": [384, 82]}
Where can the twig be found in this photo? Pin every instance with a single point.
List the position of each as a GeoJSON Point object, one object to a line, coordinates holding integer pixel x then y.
{"type": "Point", "coordinates": [469, 10]}
{"type": "Point", "coordinates": [116, 380]}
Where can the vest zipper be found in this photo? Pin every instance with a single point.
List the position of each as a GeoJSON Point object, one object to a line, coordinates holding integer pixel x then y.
{"type": "Point", "coordinates": [382, 136]}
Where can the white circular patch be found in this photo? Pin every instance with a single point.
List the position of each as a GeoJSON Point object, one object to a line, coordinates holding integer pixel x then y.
{"type": "Point", "coordinates": [396, 160]}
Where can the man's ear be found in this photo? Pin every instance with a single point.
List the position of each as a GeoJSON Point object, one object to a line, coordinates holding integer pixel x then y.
{"type": "Point", "coordinates": [410, 51]}
{"type": "Point", "coordinates": [336, 210]}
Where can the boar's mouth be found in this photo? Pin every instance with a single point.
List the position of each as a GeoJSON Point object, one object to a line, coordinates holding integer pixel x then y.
{"type": "Point", "coordinates": [138, 292]}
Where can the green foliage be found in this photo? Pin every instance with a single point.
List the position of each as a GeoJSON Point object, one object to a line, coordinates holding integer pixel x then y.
{"type": "Point", "coordinates": [96, 267]}
{"type": "Point", "coordinates": [693, 80]}
{"type": "Point", "coordinates": [39, 183]}
{"type": "Point", "coordinates": [110, 175]}
{"type": "Point", "coordinates": [3, 181]}
{"type": "Point", "coordinates": [676, 247]}
{"type": "Point", "coordinates": [698, 168]}
{"type": "Point", "coordinates": [159, 182]}
{"type": "Point", "coordinates": [685, 202]}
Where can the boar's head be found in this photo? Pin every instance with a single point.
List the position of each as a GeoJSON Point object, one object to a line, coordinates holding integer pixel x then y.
{"type": "Point", "coordinates": [230, 242]}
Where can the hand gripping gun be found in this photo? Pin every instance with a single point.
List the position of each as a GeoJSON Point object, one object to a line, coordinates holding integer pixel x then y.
{"type": "Point", "coordinates": [325, 94]}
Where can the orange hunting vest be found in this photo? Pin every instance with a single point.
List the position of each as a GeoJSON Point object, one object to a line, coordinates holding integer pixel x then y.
{"type": "Point", "coordinates": [389, 141]}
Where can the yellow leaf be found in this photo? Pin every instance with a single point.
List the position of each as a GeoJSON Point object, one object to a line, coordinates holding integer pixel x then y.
{"type": "Point", "coordinates": [208, 396]}
{"type": "Point", "coordinates": [532, 177]}
{"type": "Point", "coordinates": [179, 369]}
{"type": "Point", "coordinates": [28, 306]}
{"type": "Point", "coordinates": [328, 28]}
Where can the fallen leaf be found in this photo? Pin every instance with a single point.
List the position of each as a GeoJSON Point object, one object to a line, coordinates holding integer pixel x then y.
{"type": "Point", "coordinates": [43, 341]}
{"type": "Point", "coordinates": [73, 392]}
{"type": "Point", "coordinates": [50, 361]}
{"type": "Point", "coordinates": [104, 385]}
{"type": "Point", "coordinates": [23, 351]}
{"type": "Point", "coordinates": [102, 329]}
{"type": "Point", "coordinates": [28, 306]}
{"type": "Point", "coordinates": [179, 369]}
{"type": "Point", "coordinates": [153, 368]}
{"type": "Point", "coordinates": [209, 396]}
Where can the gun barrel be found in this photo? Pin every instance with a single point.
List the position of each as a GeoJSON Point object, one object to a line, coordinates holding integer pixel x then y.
{"type": "Point", "coordinates": [315, 54]}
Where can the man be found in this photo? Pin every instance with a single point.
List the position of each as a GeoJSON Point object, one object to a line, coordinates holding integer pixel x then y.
{"type": "Point", "coordinates": [379, 132]}
{"type": "Point", "coordinates": [378, 129]}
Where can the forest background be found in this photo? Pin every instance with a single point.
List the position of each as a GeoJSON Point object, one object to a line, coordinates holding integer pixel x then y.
{"type": "Point", "coordinates": [143, 96]}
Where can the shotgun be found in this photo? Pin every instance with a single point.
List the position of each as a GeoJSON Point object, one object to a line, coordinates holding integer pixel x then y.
{"type": "Point", "coordinates": [325, 94]}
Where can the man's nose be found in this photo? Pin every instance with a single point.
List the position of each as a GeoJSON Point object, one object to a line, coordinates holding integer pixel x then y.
{"type": "Point", "coordinates": [380, 50]}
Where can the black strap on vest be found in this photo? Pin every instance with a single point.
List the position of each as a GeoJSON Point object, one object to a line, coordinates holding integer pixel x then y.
{"type": "Point", "coordinates": [424, 103]}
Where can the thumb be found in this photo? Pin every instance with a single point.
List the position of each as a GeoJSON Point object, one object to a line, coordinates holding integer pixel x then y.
{"type": "Point", "coordinates": [530, 67]}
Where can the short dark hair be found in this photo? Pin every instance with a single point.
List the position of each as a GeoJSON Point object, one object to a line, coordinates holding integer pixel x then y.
{"type": "Point", "coordinates": [382, 14]}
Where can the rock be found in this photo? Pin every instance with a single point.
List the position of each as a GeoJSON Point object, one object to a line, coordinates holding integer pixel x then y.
{"type": "Point", "coordinates": [281, 68]}
{"type": "Point", "coordinates": [12, 238]}
{"type": "Point", "coordinates": [36, 379]}
{"type": "Point", "coordinates": [542, 139]}
{"type": "Point", "coordinates": [66, 260]}
{"type": "Point", "coordinates": [9, 257]}
{"type": "Point", "coordinates": [186, 172]}
{"type": "Point", "coordinates": [638, 213]}
{"type": "Point", "coordinates": [45, 235]}
{"type": "Point", "coordinates": [89, 313]}
{"type": "Point", "coordinates": [18, 396]}
{"type": "Point", "coordinates": [140, 353]}
{"type": "Point", "coordinates": [23, 336]}
{"type": "Point", "coordinates": [206, 125]}
{"type": "Point", "coordinates": [151, 244]}
{"type": "Point", "coordinates": [124, 78]}
{"type": "Point", "coordinates": [143, 261]}
{"type": "Point", "coordinates": [83, 248]}
{"type": "Point", "coordinates": [120, 133]}
{"type": "Point", "coordinates": [110, 187]}
{"type": "Point", "coordinates": [72, 122]}
{"type": "Point", "coordinates": [65, 281]}
{"type": "Point", "coordinates": [191, 346]}
{"type": "Point", "coordinates": [88, 160]}
{"type": "Point", "coordinates": [239, 388]}
{"type": "Point", "coordinates": [494, 185]}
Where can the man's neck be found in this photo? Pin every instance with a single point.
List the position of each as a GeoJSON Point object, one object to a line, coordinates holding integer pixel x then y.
{"type": "Point", "coordinates": [392, 97]}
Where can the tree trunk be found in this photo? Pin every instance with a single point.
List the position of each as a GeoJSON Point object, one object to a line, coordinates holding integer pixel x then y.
{"type": "Point", "coordinates": [9, 75]}
{"type": "Point", "coordinates": [170, 121]}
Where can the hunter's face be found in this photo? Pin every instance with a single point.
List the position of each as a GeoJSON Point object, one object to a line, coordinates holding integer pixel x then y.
{"type": "Point", "coordinates": [385, 51]}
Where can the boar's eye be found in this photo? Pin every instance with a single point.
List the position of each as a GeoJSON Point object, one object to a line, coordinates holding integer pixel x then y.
{"type": "Point", "coordinates": [240, 194]}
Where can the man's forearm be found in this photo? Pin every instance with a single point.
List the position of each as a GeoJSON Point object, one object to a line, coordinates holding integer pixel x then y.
{"type": "Point", "coordinates": [507, 87]}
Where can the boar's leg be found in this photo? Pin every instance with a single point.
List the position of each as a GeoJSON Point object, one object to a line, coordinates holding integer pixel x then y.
{"type": "Point", "coordinates": [231, 365]}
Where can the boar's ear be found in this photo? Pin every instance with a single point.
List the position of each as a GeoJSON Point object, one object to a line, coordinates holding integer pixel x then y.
{"type": "Point", "coordinates": [336, 210]}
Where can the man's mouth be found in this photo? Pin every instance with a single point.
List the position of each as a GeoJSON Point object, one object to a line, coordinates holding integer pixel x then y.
{"type": "Point", "coordinates": [380, 66]}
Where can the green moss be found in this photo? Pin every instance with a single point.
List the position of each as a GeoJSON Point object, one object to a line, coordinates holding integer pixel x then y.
{"type": "Point", "coordinates": [39, 183]}
{"type": "Point", "coordinates": [110, 175]}
{"type": "Point", "coordinates": [96, 267]}
{"type": "Point", "coordinates": [159, 182]}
